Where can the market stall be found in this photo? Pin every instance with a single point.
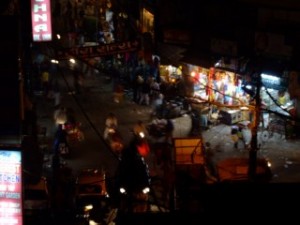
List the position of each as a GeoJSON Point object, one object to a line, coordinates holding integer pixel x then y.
{"type": "Point", "coordinates": [232, 116]}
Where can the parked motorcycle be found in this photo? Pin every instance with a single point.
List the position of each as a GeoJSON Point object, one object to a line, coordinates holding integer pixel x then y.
{"type": "Point", "coordinates": [91, 197]}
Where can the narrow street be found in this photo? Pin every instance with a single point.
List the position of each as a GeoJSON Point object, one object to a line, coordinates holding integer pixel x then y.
{"type": "Point", "coordinates": [95, 102]}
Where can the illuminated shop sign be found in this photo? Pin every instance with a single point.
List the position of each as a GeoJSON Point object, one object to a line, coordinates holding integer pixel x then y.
{"type": "Point", "coordinates": [98, 50]}
{"type": "Point", "coordinates": [270, 81]}
{"type": "Point", "coordinates": [41, 20]}
{"type": "Point", "coordinates": [10, 187]}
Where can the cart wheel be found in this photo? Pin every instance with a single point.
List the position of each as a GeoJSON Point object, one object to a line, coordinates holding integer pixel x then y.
{"type": "Point", "coordinates": [265, 136]}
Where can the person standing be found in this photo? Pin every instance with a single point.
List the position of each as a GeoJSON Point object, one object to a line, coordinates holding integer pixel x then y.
{"type": "Point", "coordinates": [45, 82]}
{"type": "Point", "coordinates": [138, 88]}
{"type": "Point", "coordinates": [118, 93]}
{"type": "Point", "coordinates": [56, 94]}
{"type": "Point", "coordinates": [145, 93]}
{"type": "Point", "coordinates": [156, 104]}
{"type": "Point", "coordinates": [169, 131]}
{"type": "Point", "coordinates": [234, 136]}
{"type": "Point", "coordinates": [247, 136]}
{"type": "Point", "coordinates": [155, 89]}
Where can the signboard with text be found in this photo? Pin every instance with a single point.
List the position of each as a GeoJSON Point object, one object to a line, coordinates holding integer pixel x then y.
{"type": "Point", "coordinates": [10, 187]}
{"type": "Point", "coordinates": [41, 20]}
{"type": "Point", "coordinates": [98, 50]}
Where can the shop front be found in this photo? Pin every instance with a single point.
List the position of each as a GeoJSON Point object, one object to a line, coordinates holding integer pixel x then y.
{"type": "Point", "coordinates": [219, 88]}
{"type": "Point", "coordinates": [279, 107]}
{"type": "Point", "coordinates": [169, 73]}
{"type": "Point", "coordinates": [274, 94]}
{"type": "Point", "coordinates": [228, 94]}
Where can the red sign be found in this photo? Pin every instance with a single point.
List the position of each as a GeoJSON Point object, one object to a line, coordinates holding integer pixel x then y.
{"type": "Point", "coordinates": [41, 20]}
{"type": "Point", "coordinates": [10, 188]}
{"type": "Point", "coordinates": [98, 50]}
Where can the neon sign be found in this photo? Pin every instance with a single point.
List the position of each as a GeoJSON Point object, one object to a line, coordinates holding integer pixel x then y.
{"type": "Point", "coordinates": [10, 187]}
{"type": "Point", "coordinates": [41, 20]}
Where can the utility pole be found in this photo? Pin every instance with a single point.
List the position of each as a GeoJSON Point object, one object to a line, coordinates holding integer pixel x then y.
{"type": "Point", "coordinates": [256, 120]}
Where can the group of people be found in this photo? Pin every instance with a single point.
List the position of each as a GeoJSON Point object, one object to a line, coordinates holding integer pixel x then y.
{"type": "Point", "coordinates": [140, 131]}
{"type": "Point", "coordinates": [114, 138]}
{"type": "Point", "coordinates": [145, 90]}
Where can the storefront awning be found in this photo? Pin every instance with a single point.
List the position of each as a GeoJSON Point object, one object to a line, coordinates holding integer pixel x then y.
{"type": "Point", "coordinates": [198, 59]}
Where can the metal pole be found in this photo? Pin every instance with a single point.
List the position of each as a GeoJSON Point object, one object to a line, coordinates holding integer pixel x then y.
{"type": "Point", "coordinates": [97, 20]}
{"type": "Point", "coordinates": [254, 145]}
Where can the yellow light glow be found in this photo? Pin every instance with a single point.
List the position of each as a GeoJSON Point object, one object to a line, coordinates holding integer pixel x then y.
{"type": "Point", "coordinates": [88, 207]}
{"type": "Point", "coordinates": [72, 61]}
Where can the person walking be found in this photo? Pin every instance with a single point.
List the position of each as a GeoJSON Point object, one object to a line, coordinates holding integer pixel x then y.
{"type": "Point", "coordinates": [61, 145]}
{"type": "Point", "coordinates": [140, 130]}
{"type": "Point", "coordinates": [60, 115]}
{"type": "Point", "coordinates": [111, 120]}
{"type": "Point", "coordinates": [111, 123]}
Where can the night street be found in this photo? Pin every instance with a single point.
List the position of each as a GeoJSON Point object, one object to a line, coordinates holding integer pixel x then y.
{"type": "Point", "coordinates": [142, 112]}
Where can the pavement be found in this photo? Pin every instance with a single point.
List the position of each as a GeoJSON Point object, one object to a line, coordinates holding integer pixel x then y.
{"type": "Point", "coordinates": [96, 101]}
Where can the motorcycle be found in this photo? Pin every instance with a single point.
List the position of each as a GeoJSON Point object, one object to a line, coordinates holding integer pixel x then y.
{"type": "Point", "coordinates": [114, 139]}
{"type": "Point", "coordinates": [133, 181]}
{"type": "Point", "coordinates": [74, 131]}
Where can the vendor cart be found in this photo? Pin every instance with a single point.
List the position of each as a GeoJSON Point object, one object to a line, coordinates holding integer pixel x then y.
{"type": "Point", "coordinates": [191, 170]}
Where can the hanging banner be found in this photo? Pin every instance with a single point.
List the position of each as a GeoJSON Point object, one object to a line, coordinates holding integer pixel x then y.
{"type": "Point", "coordinates": [98, 50]}
{"type": "Point", "coordinates": [10, 187]}
{"type": "Point", "coordinates": [41, 20]}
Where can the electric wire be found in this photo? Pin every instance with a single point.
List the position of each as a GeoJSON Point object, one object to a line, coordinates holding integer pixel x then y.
{"type": "Point", "coordinates": [86, 116]}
